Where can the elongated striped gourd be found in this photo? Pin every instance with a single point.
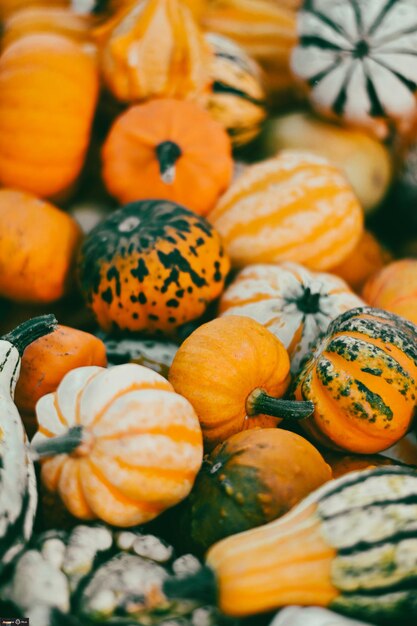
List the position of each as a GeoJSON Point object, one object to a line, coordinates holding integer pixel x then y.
{"type": "Point", "coordinates": [295, 207]}
{"type": "Point", "coordinates": [362, 379]}
{"type": "Point", "coordinates": [350, 546]}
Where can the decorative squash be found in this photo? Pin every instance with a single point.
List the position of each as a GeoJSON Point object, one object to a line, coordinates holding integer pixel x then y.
{"type": "Point", "coordinates": [342, 463]}
{"type": "Point", "coordinates": [349, 546]}
{"type": "Point", "coordinates": [394, 288]}
{"type": "Point", "coordinates": [18, 494]}
{"type": "Point", "coordinates": [366, 259]}
{"type": "Point", "coordinates": [237, 98]}
{"type": "Point", "coordinates": [38, 246]}
{"type": "Point", "coordinates": [120, 445]}
{"type": "Point", "coordinates": [362, 379]}
{"type": "Point", "coordinates": [48, 92]}
{"type": "Point", "coordinates": [7, 7]}
{"type": "Point", "coordinates": [171, 150]}
{"type": "Point", "coordinates": [233, 371]}
{"type": "Point", "coordinates": [359, 60]}
{"type": "Point", "coordinates": [155, 50]}
{"type": "Point", "coordinates": [155, 354]}
{"type": "Point", "coordinates": [312, 616]}
{"type": "Point", "coordinates": [296, 207]}
{"type": "Point", "coordinates": [366, 162]}
{"type": "Point", "coordinates": [151, 266]}
{"type": "Point", "coordinates": [249, 480]}
{"type": "Point", "coordinates": [293, 303]}
{"type": "Point", "coordinates": [46, 361]}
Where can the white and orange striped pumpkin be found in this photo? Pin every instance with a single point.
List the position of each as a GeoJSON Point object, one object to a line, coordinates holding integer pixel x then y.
{"type": "Point", "coordinates": [117, 444]}
{"type": "Point", "coordinates": [296, 305]}
{"type": "Point", "coordinates": [296, 207]}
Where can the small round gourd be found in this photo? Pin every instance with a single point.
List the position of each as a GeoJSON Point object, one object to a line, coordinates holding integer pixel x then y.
{"type": "Point", "coordinates": [151, 266]}
{"type": "Point", "coordinates": [117, 444]}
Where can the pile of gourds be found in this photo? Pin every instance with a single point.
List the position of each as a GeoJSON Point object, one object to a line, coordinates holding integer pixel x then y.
{"type": "Point", "coordinates": [216, 200]}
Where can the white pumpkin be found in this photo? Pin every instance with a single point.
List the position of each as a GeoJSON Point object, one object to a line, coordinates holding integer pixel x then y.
{"type": "Point", "coordinates": [294, 303]}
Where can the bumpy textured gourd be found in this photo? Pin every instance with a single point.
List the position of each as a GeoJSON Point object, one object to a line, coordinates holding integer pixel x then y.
{"type": "Point", "coordinates": [18, 493]}
{"type": "Point", "coordinates": [350, 546]}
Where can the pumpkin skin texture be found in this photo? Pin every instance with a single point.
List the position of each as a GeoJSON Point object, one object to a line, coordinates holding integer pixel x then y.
{"type": "Point", "coordinates": [279, 203]}
{"type": "Point", "coordinates": [394, 289]}
{"type": "Point", "coordinates": [38, 247]}
{"type": "Point", "coordinates": [8, 7]}
{"type": "Point", "coordinates": [139, 444]}
{"type": "Point", "coordinates": [362, 379]}
{"type": "Point", "coordinates": [354, 71]}
{"type": "Point", "coordinates": [151, 266]}
{"type": "Point", "coordinates": [153, 353]}
{"type": "Point", "coordinates": [222, 366]}
{"type": "Point", "coordinates": [249, 480]}
{"type": "Point", "coordinates": [293, 303]}
{"type": "Point", "coordinates": [171, 150]}
{"type": "Point", "coordinates": [155, 50]}
{"type": "Point", "coordinates": [44, 131]}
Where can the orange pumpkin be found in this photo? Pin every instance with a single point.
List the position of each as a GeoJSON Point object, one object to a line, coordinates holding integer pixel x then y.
{"type": "Point", "coordinates": [48, 92]}
{"type": "Point", "coordinates": [7, 7]}
{"type": "Point", "coordinates": [118, 444]}
{"type": "Point", "coordinates": [233, 370]}
{"type": "Point", "coordinates": [394, 288]}
{"type": "Point", "coordinates": [295, 207]}
{"type": "Point", "coordinates": [155, 49]}
{"type": "Point", "coordinates": [168, 149]}
{"type": "Point", "coordinates": [366, 258]}
{"type": "Point", "coordinates": [38, 247]}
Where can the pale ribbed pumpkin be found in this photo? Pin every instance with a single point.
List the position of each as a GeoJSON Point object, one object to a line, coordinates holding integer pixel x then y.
{"type": "Point", "coordinates": [293, 303]}
{"type": "Point", "coordinates": [394, 288]}
{"type": "Point", "coordinates": [118, 444]}
{"type": "Point", "coordinates": [48, 92]}
{"type": "Point", "coordinates": [296, 207]}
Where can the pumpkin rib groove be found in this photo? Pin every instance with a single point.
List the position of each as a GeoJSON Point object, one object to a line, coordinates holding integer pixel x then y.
{"type": "Point", "coordinates": [188, 436]}
{"type": "Point", "coordinates": [158, 472]}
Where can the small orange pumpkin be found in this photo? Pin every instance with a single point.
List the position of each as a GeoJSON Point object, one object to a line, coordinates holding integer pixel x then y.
{"type": "Point", "coordinates": [7, 7]}
{"type": "Point", "coordinates": [295, 207]}
{"type": "Point", "coordinates": [233, 371]}
{"type": "Point", "coordinates": [394, 288]}
{"type": "Point", "coordinates": [168, 149]}
{"type": "Point", "coordinates": [38, 247]}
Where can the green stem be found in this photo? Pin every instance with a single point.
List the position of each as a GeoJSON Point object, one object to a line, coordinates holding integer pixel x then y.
{"type": "Point", "coordinates": [27, 332]}
{"type": "Point", "coordinates": [168, 154]}
{"type": "Point", "coordinates": [65, 444]}
{"type": "Point", "coordinates": [260, 403]}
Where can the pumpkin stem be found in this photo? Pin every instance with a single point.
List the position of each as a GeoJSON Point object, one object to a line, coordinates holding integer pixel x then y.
{"type": "Point", "coordinates": [27, 332]}
{"type": "Point", "coordinates": [65, 444]}
{"type": "Point", "coordinates": [260, 403]}
{"type": "Point", "coordinates": [168, 154]}
{"type": "Point", "coordinates": [201, 586]}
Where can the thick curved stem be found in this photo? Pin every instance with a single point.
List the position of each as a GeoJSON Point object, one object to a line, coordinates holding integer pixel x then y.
{"type": "Point", "coordinates": [260, 403]}
{"type": "Point", "coordinates": [168, 154]}
{"type": "Point", "coordinates": [65, 444]}
{"type": "Point", "coordinates": [27, 332]}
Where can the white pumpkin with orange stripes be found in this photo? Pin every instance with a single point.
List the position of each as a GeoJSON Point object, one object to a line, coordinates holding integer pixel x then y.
{"type": "Point", "coordinates": [295, 304]}
{"type": "Point", "coordinates": [296, 207]}
{"type": "Point", "coordinates": [117, 444]}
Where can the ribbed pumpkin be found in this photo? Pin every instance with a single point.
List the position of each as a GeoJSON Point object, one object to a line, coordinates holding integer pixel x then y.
{"type": "Point", "coordinates": [38, 248]}
{"type": "Point", "coordinates": [249, 480]}
{"type": "Point", "coordinates": [155, 49]}
{"type": "Point", "coordinates": [151, 266]}
{"type": "Point", "coordinates": [394, 288]}
{"type": "Point", "coordinates": [296, 207]}
{"type": "Point", "coordinates": [234, 372]}
{"type": "Point", "coordinates": [48, 92]}
{"type": "Point", "coordinates": [156, 354]}
{"type": "Point", "coordinates": [168, 149]}
{"type": "Point", "coordinates": [362, 379]}
{"type": "Point", "coordinates": [359, 60]}
{"type": "Point", "coordinates": [118, 444]}
{"type": "Point", "coordinates": [350, 546]}
{"type": "Point", "coordinates": [293, 303]}
{"type": "Point", "coordinates": [237, 97]}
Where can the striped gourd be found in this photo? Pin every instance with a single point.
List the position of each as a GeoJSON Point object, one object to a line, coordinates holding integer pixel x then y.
{"type": "Point", "coordinates": [362, 379]}
{"type": "Point", "coordinates": [358, 58]}
{"type": "Point", "coordinates": [295, 207]}
{"type": "Point", "coordinates": [350, 546]}
{"type": "Point", "coordinates": [237, 97]}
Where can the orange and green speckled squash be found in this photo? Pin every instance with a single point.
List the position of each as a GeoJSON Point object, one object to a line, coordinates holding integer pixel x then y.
{"type": "Point", "coordinates": [151, 266]}
{"type": "Point", "coordinates": [295, 207]}
{"type": "Point", "coordinates": [362, 379]}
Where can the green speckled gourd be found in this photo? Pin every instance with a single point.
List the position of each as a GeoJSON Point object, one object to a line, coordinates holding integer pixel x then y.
{"type": "Point", "coordinates": [157, 354]}
{"type": "Point", "coordinates": [362, 379]}
{"type": "Point", "coordinates": [151, 266]}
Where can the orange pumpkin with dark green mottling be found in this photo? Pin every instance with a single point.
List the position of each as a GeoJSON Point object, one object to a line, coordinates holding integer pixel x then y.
{"type": "Point", "coordinates": [151, 266]}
